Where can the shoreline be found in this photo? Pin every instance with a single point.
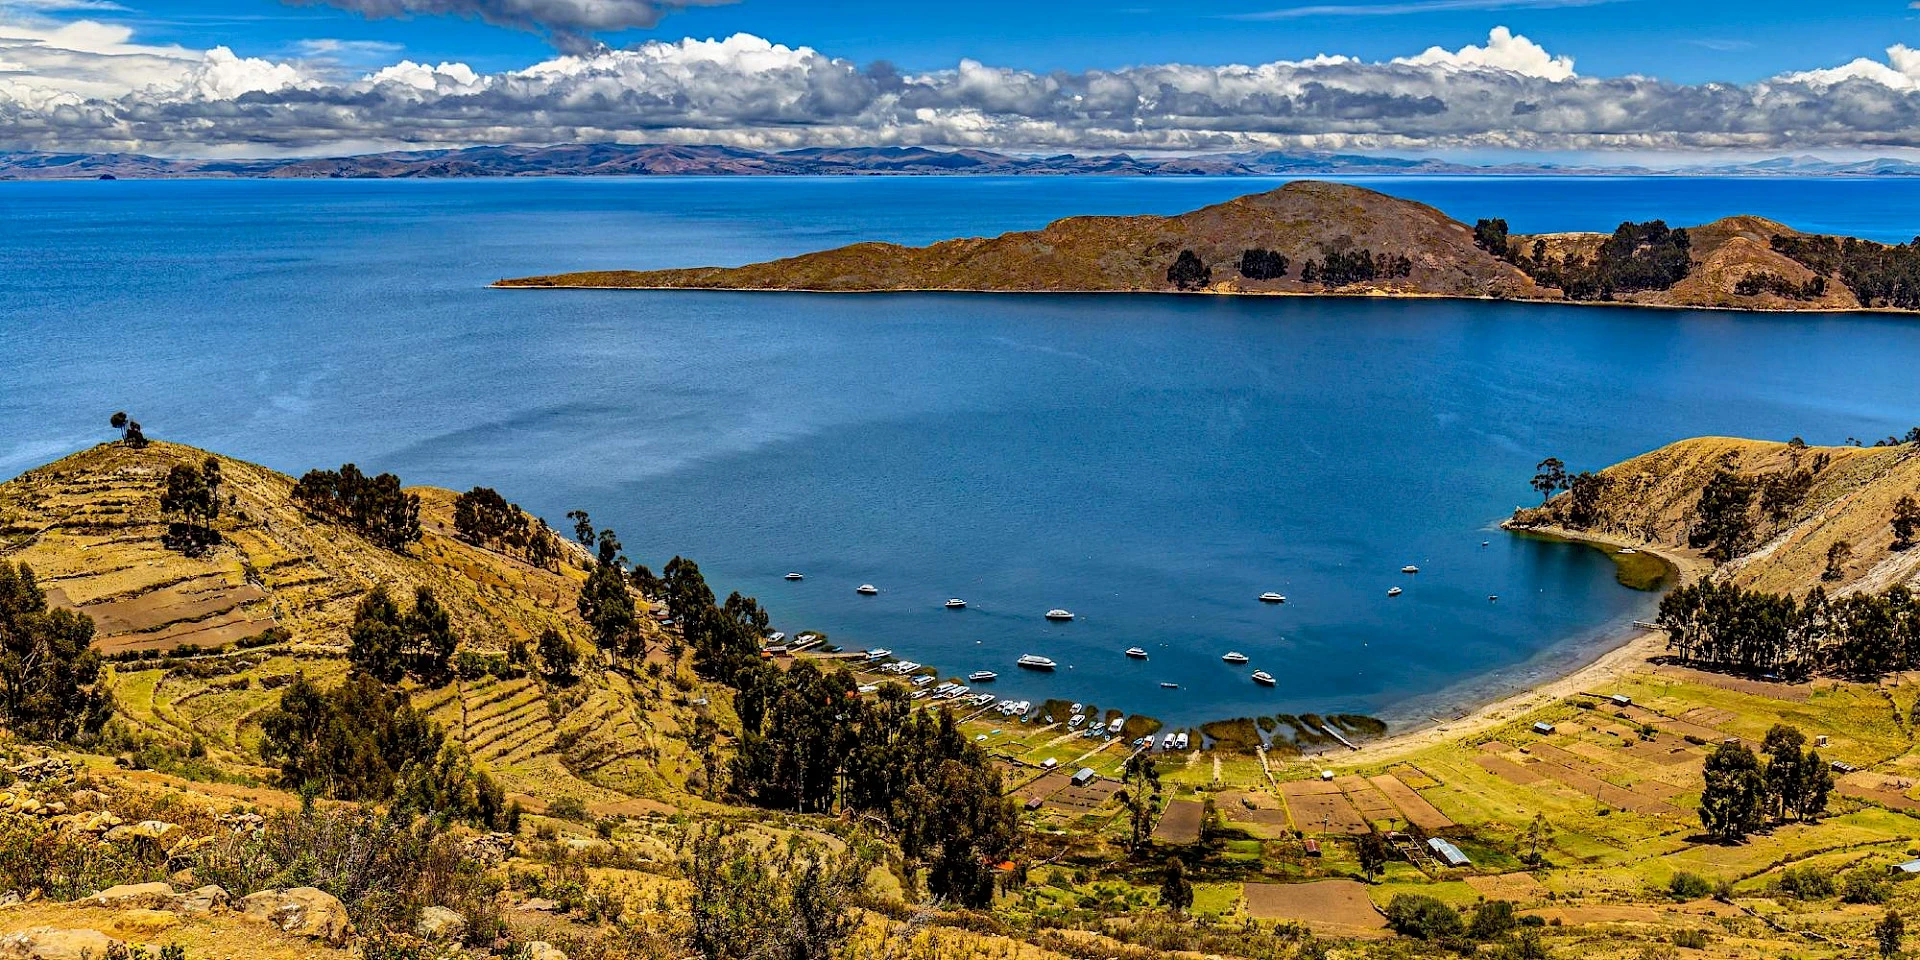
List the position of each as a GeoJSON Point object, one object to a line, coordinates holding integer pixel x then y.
{"type": "Point", "coordinates": [1635, 646]}
{"type": "Point", "coordinates": [512, 284]}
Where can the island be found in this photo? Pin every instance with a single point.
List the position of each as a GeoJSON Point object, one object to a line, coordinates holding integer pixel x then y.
{"type": "Point", "coordinates": [1314, 238]}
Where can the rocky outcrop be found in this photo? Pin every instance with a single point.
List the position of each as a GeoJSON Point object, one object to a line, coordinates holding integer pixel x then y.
{"type": "Point", "coordinates": [303, 911]}
{"type": "Point", "coordinates": [440, 923]}
{"type": "Point", "coordinates": [49, 943]}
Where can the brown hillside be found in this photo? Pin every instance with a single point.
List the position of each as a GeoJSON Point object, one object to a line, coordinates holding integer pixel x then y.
{"type": "Point", "coordinates": [1850, 498]}
{"type": "Point", "coordinates": [1724, 252]}
{"type": "Point", "coordinates": [1133, 253]}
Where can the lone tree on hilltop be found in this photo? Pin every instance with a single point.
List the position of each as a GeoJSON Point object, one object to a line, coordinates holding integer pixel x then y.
{"type": "Point", "coordinates": [1188, 273]}
{"type": "Point", "coordinates": [129, 429]}
{"type": "Point", "coordinates": [1550, 478]}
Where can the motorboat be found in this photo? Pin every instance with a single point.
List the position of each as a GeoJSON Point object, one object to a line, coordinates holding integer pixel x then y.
{"type": "Point", "coordinates": [1079, 708]}
{"type": "Point", "coordinates": [1235, 656]}
{"type": "Point", "coordinates": [880, 654]}
{"type": "Point", "coordinates": [1136, 653]}
{"type": "Point", "coordinates": [1169, 685]}
{"type": "Point", "coordinates": [956, 604]}
{"type": "Point", "coordinates": [1166, 742]}
{"type": "Point", "coordinates": [1180, 741]}
{"type": "Point", "coordinates": [1076, 720]}
{"type": "Point", "coordinates": [1059, 614]}
{"type": "Point", "coordinates": [1271, 597]}
{"type": "Point", "coordinates": [796, 576]}
{"type": "Point", "coordinates": [1396, 591]}
{"type": "Point", "coordinates": [866, 588]}
{"type": "Point", "coordinates": [1035, 662]}
{"type": "Point", "coordinates": [1114, 725]}
{"type": "Point", "coordinates": [982, 676]}
{"type": "Point", "coordinates": [1263, 677]}
{"type": "Point", "coordinates": [1409, 568]}
{"type": "Point", "coordinates": [1628, 551]}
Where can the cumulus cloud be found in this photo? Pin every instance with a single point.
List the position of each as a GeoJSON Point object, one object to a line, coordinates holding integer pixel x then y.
{"type": "Point", "coordinates": [93, 87]}
{"type": "Point", "coordinates": [571, 23]}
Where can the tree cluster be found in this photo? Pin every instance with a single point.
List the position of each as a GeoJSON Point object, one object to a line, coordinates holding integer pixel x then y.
{"type": "Point", "coordinates": [1260, 264]}
{"type": "Point", "coordinates": [194, 494]}
{"type": "Point", "coordinates": [389, 643]}
{"type": "Point", "coordinates": [1338, 268]}
{"type": "Point", "coordinates": [49, 674]}
{"type": "Point", "coordinates": [483, 516]}
{"type": "Point", "coordinates": [1880, 275]}
{"type": "Point", "coordinates": [725, 638]}
{"type": "Point", "coordinates": [1741, 792]}
{"type": "Point", "coordinates": [810, 743]}
{"type": "Point", "coordinates": [1722, 521]}
{"type": "Point", "coordinates": [1766, 281]}
{"type": "Point", "coordinates": [130, 433]}
{"type": "Point", "coordinates": [1725, 625]}
{"type": "Point", "coordinates": [604, 601]}
{"type": "Point", "coordinates": [1188, 272]}
{"type": "Point", "coordinates": [1638, 256]}
{"type": "Point", "coordinates": [374, 506]}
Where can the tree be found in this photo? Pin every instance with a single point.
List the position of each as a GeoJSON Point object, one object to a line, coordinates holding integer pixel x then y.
{"type": "Point", "coordinates": [193, 493]}
{"type": "Point", "coordinates": [1493, 920]}
{"type": "Point", "coordinates": [558, 659]}
{"type": "Point", "coordinates": [430, 638]}
{"type": "Point", "coordinates": [1423, 917]}
{"type": "Point", "coordinates": [1721, 523]}
{"type": "Point", "coordinates": [129, 428]}
{"type": "Point", "coordinates": [1261, 264]}
{"type": "Point", "coordinates": [1786, 776]}
{"type": "Point", "coordinates": [350, 742]}
{"type": "Point", "coordinates": [49, 673]}
{"type": "Point", "coordinates": [1906, 522]}
{"type": "Point", "coordinates": [1583, 508]}
{"type": "Point", "coordinates": [1188, 272]}
{"type": "Point", "coordinates": [1373, 855]}
{"type": "Point", "coordinates": [1733, 799]}
{"type": "Point", "coordinates": [1539, 837]}
{"type": "Point", "coordinates": [376, 639]}
{"type": "Point", "coordinates": [794, 902]}
{"type": "Point", "coordinates": [1176, 892]}
{"type": "Point", "coordinates": [1491, 236]}
{"type": "Point", "coordinates": [1140, 794]}
{"type": "Point", "coordinates": [1889, 934]}
{"type": "Point", "coordinates": [1550, 478]}
{"type": "Point", "coordinates": [376, 507]}
{"type": "Point", "coordinates": [1837, 556]}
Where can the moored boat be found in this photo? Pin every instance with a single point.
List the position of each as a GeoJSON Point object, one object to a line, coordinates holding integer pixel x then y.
{"type": "Point", "coordinates": [956, 604]}
{"type": "Point", "coordinates": [1263, 677]}
{"type": "Point", "coordinates": [982, 676]}
{"type": "Point", "coordinates": [1059, 614]}
{"type": "Point", "coordinates": [1396, 591]}
{"type": "Point", "coordinates": [1136, 653]}
{"type": "Point", "coordinates": [1409, 568]}
{"type": "Point", "coordinates": [1271, 597]}
{"type": "Point", "coordinates": [866, 588]}
{"type": "Point", "coordinates": [1036, 662]}
{"type": "Point", "coordinates": [1235, 656]}
{"type": "Point", "coordinates": [796, 576]}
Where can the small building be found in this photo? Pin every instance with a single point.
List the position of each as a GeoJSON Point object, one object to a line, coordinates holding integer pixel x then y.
{"type": "Point", "coordinates": [1910, 867]}
{"type": "Point", "coordinates": [1313, 848]}
{"type": "Point", "coordinates": [1621, 700]}
{"type": "Point", "coordinates": [1084, 776]}
{"type": "Point", "coordinates": [1034, 804]}
{"type": "Point", "coordinates": [1448, 853]}
{"type": "Point", "coordinates": [1542, 727]}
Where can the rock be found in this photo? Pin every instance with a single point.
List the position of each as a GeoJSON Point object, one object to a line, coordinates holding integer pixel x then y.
{"type": "Point", "coordinates": [159, 831]}
{"type": "Point", "coordinates": [542, 950]}
{"type": "Point", "coordinates": [131, 896]}
{"type": "Point", "coordinates": [51, 943]}
{"type": "Point", "coordinates": [203, 900]}
{"type": "Point", "coordinates": [540, 905]}
{"type": "Point", "coordinates": [89, 799]}
{"type": "Point", "coordinates": [439, 923]}
{"type": "Point", "coordinates": [46, 770]}
{"type": "Point", "coordinates": [303, 911]}
{"type": "Point", "coordinates": [98, 822]}
{"type": "Point", "coordinates": [183, 877]}
{"type": "Point", "coordinates": [144, 924]}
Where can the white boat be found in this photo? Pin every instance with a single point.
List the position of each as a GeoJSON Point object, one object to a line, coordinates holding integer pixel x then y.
{"type": "Point", "coordinates": [1396, 591]}
{"type": "Point", "coordinates": [1166, 742]}
{"type": "Point", "coordinates": [796, 576]}
{"type": "Point", "coordinates": [1059, 614]}
{"type": "Point", "coordinates": [1035, 662]}
{"type": "Point", "coordinates": [1628, 551]}
{"type": "Point", "coordinates": [1263, 677]}
{"type": "Point", "coordinates": [982, 676]}
{"type": "Point", "coordinates": [1079, 708]}
{"type": "Point", "coordinates": [1136, 653]}
{"type": "Point", "coordinates": [1272, 598]}
{"type": "Point", "coordinates": [956, 604]}
{"type": "Point", "coordinates": [1115, 724]}
{"type": "Point", "coordinates": [866, 588]}
{"type": "Point", "coordinates": [1409, 568]}
{"type": "Point", "coordinates": [1235, 656]}
{"type": "Point", "coordinates": [1180, 742]}
{"type": "Point", "coordinates": [880, 654]}
{"type": "Point", "coordinates": [1169, 685]}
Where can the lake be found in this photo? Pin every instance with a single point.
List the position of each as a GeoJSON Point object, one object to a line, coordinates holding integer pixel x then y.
{"type": "Point", "coordinates": [1152, 463]}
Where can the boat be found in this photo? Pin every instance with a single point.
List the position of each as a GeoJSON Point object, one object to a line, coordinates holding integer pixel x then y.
{"type": "Point", "coordinates": [1059, 614]}
{"type": "Point", "coordinates": [1034, 662]}
{"type": "Point", "coordinates": [1180, 741]}
{"type": "Point", "coordinates": [1396, 591]}
{"type": "Point", "coordinates": [866, 588]}
{"type": "Point", "coordinates": [880, 654]}
{"type": "Point", "coordinates": [1263, 677]}
{"type": "Point", "coordinates": [1235, 656]}
{"type": "Point", "coordinates": [1136, 653]}
{"type": "Point", "coordinates": [1169, 685]}
{"type": "Point", "coordinates": [796, 576]}
{"type": "Point", "coordinates": [1271, 597]}
{"type": "Point", "coordinates": [982, 676]}
{"type": "Point", "coordinates": [1166, 742]}
{"type": "Point", "coordinates": [1628, 551]}
{"type": "Point", "coordinates": [956, 604]}
{"type": "Point", "coordinates": [1409, 568]}
{"type": "Point", "coordinates": [1079, 708]}
{"type": "Point", "coordinates": [1114, 725]}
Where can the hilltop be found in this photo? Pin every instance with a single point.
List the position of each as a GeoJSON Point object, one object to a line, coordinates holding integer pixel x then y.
{"type": "Point", "coordinates": [1317, 238]}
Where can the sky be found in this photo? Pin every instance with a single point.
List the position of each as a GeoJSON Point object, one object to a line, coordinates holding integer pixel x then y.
{"type": "Point", "coordinates": [1624, 79]}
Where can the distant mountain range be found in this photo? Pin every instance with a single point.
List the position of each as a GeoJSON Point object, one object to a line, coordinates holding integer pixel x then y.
{"type": "Point", "coordinates": [589, 160]}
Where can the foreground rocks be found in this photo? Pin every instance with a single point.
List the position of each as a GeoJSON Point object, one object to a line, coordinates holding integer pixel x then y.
{"type": "Point", "coordinates": [48, 943]}
{"type": "Point", "coordinates": [303, 911]}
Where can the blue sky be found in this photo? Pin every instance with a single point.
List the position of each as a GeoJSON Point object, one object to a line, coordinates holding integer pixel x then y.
{"type": "Point", "coordinates": [1687, 41]}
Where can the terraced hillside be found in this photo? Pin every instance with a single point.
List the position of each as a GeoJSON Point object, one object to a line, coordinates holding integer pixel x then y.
{"type": "Point", "coordinates": [91, 527]}
{"type": "Point", "coordinates": [1849, 496]}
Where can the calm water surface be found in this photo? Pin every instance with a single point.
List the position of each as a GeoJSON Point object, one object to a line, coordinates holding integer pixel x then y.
{"type": "Point", "coordinates": [1151, 463]}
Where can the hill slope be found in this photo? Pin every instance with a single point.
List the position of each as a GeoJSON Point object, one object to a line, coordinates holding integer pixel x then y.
{"type": "Point", "coordinates": [1304, 221]}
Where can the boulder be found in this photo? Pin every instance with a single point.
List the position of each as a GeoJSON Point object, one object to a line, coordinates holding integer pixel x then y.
{"type": "Point", "coordinates": [542, 950]}
{"type": "Point", "coordinates": [89, 798]}
{"type": "Point", "coordinates": [204, 900]}
{"type": "Point", "coordinates": [439, 923]}
{"type": "Point", "coordinates": [132, 896]}
{"type": "Point", "coordinates": [144, 924]}
{"type": "Point", "coordinates": [99, 821]}
{"type": "Point", "coordinates": [303, 911]}
{"type": "Point", "coordinates": [51, 943]}
{"type": "Point", "coordinates": [540, 905]}
{"type": "Point", "coordinates": [160, 832]}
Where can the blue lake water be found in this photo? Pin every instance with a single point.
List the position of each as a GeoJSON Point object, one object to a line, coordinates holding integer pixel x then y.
{"type": "Point", "coordinates": [1152, 463]}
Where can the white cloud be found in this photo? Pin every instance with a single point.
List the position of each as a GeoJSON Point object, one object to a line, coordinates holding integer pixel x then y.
{"type": "Point", "coordinates": [92, 86]}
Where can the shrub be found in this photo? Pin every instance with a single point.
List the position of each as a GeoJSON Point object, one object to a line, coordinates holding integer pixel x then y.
{"type": "Point", "coordinates": [1805, 883]}
{"type": "Point", "coordinates": [1493, 920]}
{"type": "Point", "coordinates": [568, 808]}
{"type": "Point", "coordinates": [1691, 938]}
{"type": "Point", "coordinates": [1688, 886]}
{"type": "Point", "coordinates": [1420, 916]}
{"type": "Point", "coordinates": [1865, 886]}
